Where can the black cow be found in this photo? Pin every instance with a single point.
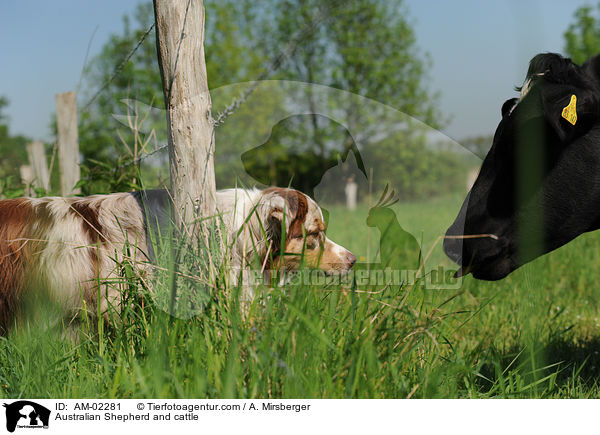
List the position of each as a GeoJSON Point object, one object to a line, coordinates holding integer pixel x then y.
{"type": "Point", "coordinates": [539, 185]}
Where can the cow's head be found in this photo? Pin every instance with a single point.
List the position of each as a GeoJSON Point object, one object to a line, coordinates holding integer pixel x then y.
{"type": "Point", "coordinates": [539, 185]}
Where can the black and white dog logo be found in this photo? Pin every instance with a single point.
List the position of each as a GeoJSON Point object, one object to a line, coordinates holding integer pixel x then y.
{"type": "Point", "coordinates": [26, 414]}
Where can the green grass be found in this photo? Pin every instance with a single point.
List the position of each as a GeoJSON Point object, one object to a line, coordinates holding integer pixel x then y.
{"type": "Point", "coordinates": [533, 334]}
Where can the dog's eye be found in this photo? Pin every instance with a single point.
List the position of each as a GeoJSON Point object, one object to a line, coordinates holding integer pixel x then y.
{"type": "Point", "coordinates": [312, 241]}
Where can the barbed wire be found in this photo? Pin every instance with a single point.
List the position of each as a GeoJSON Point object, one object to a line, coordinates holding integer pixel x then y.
{"type": "Point", "coordinates": [181, 36]}
{"type": "Point", "coordinates": [321, 16]}
{"type": "Point", "coordinates": [148, 155]}
{"type": "Point", "coordinates": [118, 69]}
{"type": "Point", "coordinates": [85, 59]}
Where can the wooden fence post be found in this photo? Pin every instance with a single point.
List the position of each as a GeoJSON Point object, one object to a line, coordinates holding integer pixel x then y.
{"type": "Point", "coordinates": [68, 146]}
{"type": "Point", "coordinates": [26, 178]}
{"type": "Point", "coordinates": [37, 161]}
{"type": "Point", "coordinates": [180, 49]}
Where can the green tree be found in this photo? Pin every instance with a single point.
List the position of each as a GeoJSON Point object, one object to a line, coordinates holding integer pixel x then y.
{"type": "Point", "coordinates": [378, 57]}
{"type": "Point", "coordinates": [12, 150]}
{"type": "Point", "coordinates": [365, 47]}
{"type": "Point", "coordinates": [108, 146]}
{"type": "Point", "coordinates": [478, 145]}
{"type": "Point", "coordinates": [582, 38]}
{"type": "Point", "coordinates": [138, 79]}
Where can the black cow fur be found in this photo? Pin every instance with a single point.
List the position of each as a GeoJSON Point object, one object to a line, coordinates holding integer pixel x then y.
{"type": "Point", "coordinates": [539, 185]}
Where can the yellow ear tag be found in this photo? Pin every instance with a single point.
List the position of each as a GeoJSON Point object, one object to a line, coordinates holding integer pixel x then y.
{"type": "Point", "coordinates": [569, 112]}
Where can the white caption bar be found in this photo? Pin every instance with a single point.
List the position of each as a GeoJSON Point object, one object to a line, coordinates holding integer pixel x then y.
{"type": "Point", "coordinates": [24, 416]}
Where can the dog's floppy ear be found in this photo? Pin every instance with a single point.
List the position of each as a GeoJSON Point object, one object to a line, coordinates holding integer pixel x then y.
{"type": "Point", "coordinates": [284, 205]}
{"type": "Point", "coordinates": [279, 210]}
{"type": "Point", "coordinates": [278, 206]}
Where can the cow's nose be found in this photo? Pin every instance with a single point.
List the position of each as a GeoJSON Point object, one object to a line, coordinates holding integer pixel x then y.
{"type": "Point", "coordinates": [453, 248]}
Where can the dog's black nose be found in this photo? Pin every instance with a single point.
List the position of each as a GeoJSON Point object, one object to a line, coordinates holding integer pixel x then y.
{"type": "Point", "coordinates": [351, 259]}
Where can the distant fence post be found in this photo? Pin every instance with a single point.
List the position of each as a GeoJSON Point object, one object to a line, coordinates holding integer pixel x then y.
{"type": "Point", "coordinates": [351, 190]}
{"type": "Point", "coordinates": [39, 166]}
{"type": "Point", "coordinates": [26, 178]}
{"type": "Point", "coordinates": [68, 145]}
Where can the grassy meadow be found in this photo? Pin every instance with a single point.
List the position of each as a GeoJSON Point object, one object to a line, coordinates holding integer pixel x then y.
{"type": "Point", "coordinates": [534, 334]}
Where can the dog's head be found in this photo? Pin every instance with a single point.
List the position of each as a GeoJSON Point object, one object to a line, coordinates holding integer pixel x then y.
{"type": "Point", "coordinates": [297, 219]}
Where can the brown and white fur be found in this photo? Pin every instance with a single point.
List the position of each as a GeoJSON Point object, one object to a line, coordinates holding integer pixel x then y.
{"type": "Point", "coordinates": [66, 247]}
{"type": "Point", "coordinates": [269, 209]}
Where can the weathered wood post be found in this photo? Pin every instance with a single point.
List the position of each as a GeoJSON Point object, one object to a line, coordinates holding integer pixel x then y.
{"type": "Point", "coordinates": [37, 161]}
{"type": "Point", "coordinates": [26, 178]}
{"type": "Point", "coordinates": [68, 145]}
{"type": "Point", "coordinates": [180, 47]}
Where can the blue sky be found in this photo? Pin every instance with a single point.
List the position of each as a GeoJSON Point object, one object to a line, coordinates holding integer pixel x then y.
{"type": "Point", "coordinates": [479, 51]}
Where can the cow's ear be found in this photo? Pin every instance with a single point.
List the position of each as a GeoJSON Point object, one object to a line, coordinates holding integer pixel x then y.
{"type": "Point", "coordinates": [508, 106]}
{"type": "Point", "coordinates": [592, 68]}
{"type": "Point", "coordinates": [572, 114]}
{"type": "Point", "coordinates": [564, 116]}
